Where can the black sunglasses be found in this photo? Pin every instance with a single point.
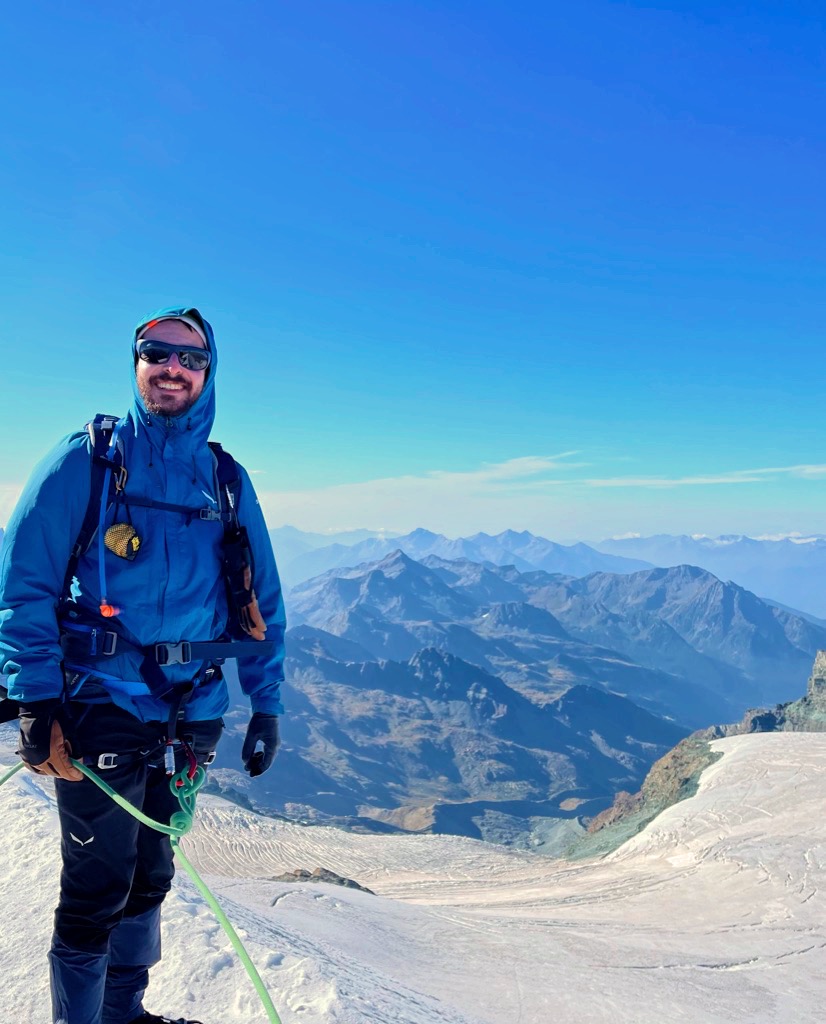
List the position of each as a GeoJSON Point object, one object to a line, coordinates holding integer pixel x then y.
{"type": "Point", "coordinates": [159, 352]}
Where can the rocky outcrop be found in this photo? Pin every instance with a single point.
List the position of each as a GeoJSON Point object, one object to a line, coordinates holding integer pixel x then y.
{"type": "Point", "coordinates": [320, 875]}
{"type": "Point", "coordinates": [817, 680]}
{"type": "Point", "coordinates": [805, 715]}
{"type": "Point", "coordinates": [676, 776]}
{"type": "Point", "coordinates": [673, 778]}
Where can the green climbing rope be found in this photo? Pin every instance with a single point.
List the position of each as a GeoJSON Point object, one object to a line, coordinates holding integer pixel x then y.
{"type": "Point", "coordinates": [243, 955]}
{"type": "Point", "coordinates": [10, 772]}
{"type": "Point", "coordinates": [180, 823]}
{"type": "Point", "coordinates": [181, 785]}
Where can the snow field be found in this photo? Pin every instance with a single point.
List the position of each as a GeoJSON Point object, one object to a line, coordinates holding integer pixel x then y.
{"type": "Point", "coordinates": [714, 913]}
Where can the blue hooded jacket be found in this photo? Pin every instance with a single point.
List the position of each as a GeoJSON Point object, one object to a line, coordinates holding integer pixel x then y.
{"type": "Point", "coordinates": [173, 590]}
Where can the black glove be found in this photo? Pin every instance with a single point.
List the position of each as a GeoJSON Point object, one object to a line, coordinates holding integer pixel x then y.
{"type": "Point", "coordinates": [43, 746]}
{"type": "Point", "coordinates": [9, 709]}
{"type": "Point", "coordinates": [263, 728]}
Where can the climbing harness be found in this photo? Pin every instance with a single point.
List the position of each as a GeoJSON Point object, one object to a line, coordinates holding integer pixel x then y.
{"type": "Point", "coordinates": [185, 785]}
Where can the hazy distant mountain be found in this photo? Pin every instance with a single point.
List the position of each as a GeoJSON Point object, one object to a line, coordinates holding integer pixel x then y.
{"type": "Point", "coordinates": [539, 553]}
{"type": "Point", "coordinates": [523, 550]}
{"type": "Point", "coordinates": [789, 570]}
{"type": "Point", "coordinates": [289, 543]}
{"type": "Point", "coordinates": [722, 621]}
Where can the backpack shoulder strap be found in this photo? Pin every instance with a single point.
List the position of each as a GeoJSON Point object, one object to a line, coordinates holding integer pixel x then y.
{"type": "Point", "coordinates": [239, 562]}
{"type": "Point", "coordinates": [100, 431]}
{"type": "Point", "coordinates": [229, 482]}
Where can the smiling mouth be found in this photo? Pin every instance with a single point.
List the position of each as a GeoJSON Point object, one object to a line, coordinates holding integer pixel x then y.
{"type": "Point", "coordinates": [168, 385]}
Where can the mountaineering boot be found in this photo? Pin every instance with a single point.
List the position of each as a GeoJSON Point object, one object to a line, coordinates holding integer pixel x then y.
{"type": "Point", "coordinates": [153, 1018]}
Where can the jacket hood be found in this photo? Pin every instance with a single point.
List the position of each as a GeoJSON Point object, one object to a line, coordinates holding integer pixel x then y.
{"type": "Point", "coordinates": [201, 416]}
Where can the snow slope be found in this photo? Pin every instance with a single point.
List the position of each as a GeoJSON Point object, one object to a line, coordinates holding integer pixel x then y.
{"type": "Point", "coordinates": [716, 912]}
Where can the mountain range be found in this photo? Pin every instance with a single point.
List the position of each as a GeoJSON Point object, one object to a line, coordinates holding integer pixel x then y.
{"type": "Point", "coordinates": [633, 633]}
{"type": "Point", "coordinates": [784, 571]}
{"type": "Point", "coordinates": [523, 550]}
{"type": "Point", "coordinates": [437, 744]}
{"type": "Point", "coordinates": [455, 696]}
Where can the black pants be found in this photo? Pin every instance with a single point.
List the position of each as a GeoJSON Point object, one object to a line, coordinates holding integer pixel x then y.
{"type": "Point", "coordinates": [115, 868]}
{"type": "Point", "coordinates": [112, 864]}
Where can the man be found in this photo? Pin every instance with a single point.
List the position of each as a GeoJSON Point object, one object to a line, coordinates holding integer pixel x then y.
{"type": "Point", "coordinates": [103, 670]}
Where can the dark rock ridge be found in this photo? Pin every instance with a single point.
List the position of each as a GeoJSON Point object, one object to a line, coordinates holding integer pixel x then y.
{"type": "Point", "coordinates": [672, 778]}
{"type": "Point", "coordinates": [320, 875]}
{"type": "Point", "coordinates": [438, 744]}
{"type": "Point", "coordinates": [808, 714]}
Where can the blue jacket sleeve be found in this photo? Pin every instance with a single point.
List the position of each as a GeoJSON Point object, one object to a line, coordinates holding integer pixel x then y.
{"type": "Point", "coordinates": [261, 677]}
{"type": "Point", "coordinates": [33, 561]}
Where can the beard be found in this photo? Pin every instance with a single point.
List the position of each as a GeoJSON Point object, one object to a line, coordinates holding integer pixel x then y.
{"type": "Point", "coordinates": [177, 404]}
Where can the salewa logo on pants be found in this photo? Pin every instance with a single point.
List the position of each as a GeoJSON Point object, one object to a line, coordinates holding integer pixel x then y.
{"type": "Point", "coordinates": [81, 842]}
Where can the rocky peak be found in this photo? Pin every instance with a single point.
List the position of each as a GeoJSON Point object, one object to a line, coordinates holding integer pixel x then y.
{"type": "Point", "coordinates": [433, 663]}
{"type": "Point", "coordinates": [522, 616]}
{"type": "Point", "coordinates": [817, 680]}
{"type": "Point", "coordinates": [394, 563]}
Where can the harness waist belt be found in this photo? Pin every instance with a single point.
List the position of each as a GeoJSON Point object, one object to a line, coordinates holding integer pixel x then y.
{"type": "Point", "coordinates": [105, 761]}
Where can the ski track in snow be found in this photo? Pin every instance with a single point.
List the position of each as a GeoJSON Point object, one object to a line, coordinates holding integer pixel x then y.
{"type": "Point", "coordinates": [715, 912]}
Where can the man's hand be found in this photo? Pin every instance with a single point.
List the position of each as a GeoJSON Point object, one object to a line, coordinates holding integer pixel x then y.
{"type": "Point", "coordinates": [43, 747]}
{"type": "Point", "coordinates": [263, 728]}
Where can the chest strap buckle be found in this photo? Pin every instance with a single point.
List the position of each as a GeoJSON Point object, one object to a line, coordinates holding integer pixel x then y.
{"type": "Point", "coordinates": [173, 654]}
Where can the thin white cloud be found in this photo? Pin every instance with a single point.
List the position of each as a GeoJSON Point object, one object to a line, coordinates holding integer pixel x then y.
{"type": "Point", "coordinates": [513, 469]}
{"type": "Point", "coordinates": [661, 482]}
{"type": "Point", "coordinates": [408, 501]}
{"type": "Point", "coordinates": [488, 475]}
{"type": "Point", "coordinates": [532, 492]}
{"type": "Point", "coordinates": [737, 476]}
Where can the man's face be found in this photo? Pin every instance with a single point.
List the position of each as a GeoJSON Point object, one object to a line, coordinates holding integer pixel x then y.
{"type": "Point", "coordinates": [167, 389]}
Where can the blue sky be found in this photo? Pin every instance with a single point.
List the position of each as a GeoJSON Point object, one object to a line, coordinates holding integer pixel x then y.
{"type": "Point", "coordinates": [471, 265]}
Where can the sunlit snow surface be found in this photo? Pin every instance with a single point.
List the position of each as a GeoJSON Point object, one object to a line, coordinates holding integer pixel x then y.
{"type": "Point", "coordinates": [716, 912]}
